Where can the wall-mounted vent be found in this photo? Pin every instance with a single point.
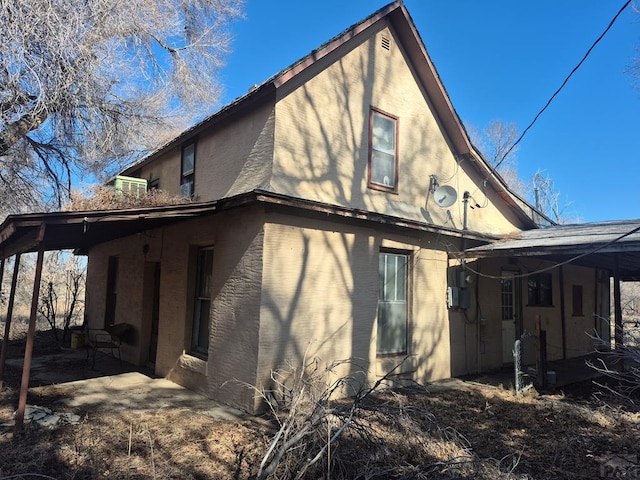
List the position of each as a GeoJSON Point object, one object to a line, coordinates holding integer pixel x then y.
{"type": "Point", "coordinates": [130, 185]}
{"type": "Point", "coordinates": [385, 42]}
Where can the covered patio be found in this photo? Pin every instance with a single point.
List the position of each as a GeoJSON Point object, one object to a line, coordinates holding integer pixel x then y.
{"type": "Point", "coordinates": [613, 248]}
{"type": "Point", "coordinates": [78, 231]}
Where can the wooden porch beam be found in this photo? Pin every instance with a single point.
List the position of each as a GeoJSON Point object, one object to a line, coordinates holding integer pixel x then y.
{"type": "Point", "coordinates": [9, 317]}
{"type": "Point", "coordinates": [26, 369]}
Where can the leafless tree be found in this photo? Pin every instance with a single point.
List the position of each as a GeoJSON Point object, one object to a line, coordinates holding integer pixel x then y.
{"type": "Point", "coordinates": [61, 298]}
{"type": "Point", "coordinates": [84, 85]}
{"type": "Point", "coordinates": [630, 298]}
{"type": "Point", "coordinates": [494, 142]}
{"type": "Point", "coordinates": [548, 199]}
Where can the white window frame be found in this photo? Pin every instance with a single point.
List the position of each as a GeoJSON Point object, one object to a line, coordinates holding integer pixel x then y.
{"type": "Point", "coordinates": [201, 300]}
{"type": "Point", "coordinates": [187, 172]}
{"type": "Point", "coordinates": [382, 148]}
{"type": "Point", "coordinates": [393, 303]}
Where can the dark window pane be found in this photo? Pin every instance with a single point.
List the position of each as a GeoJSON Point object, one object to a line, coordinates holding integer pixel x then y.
{"type": "Point", "coordinates": [188, 159]}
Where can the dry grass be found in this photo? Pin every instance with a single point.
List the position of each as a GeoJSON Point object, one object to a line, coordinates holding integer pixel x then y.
{"type": "Point", "coordinates": [475, 432]}
{"type": "Point", "coordinates": [471, 431]}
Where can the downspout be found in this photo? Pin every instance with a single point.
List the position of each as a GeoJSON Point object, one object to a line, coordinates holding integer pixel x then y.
{"type": "Point", "coordinates": [563, 316]}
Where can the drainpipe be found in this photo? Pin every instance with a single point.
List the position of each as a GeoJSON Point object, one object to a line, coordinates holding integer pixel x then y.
{"type": "Point", "coordinates": [465, 201]}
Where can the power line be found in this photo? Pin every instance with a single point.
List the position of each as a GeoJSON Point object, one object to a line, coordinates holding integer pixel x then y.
{"type": "Point", "coordinates": [565, 81]}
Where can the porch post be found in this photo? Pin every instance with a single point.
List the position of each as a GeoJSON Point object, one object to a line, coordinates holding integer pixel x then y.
{"type": "Point", "coordinates": [619, 339]}
{"type": "Point", "coordinates": [26, 369]}
{"type": "Point", "coordinates": [563, 315]}
{"type": "Point", "coordinates": [9, 317]}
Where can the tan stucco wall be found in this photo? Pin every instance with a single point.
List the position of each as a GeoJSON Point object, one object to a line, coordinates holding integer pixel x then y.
{"type": "Point", "coordinates": [233, 159]}
{"type": "Point", "coordinates": [129, 288]}
{"type": "Point", "coordinates": [484, 324]}
{"type": "Point", "coordinates": [322, 132]}
{"type": "Point", "coordinates": [319, 298]}
{"type": "Point", "coordinates": [237, 274]}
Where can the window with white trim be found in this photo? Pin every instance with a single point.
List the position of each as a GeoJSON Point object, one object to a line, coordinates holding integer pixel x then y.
{"type": "Point", "coordinates": [188, 169]}
{"type": "Point", "coordinates": [383, 151]}
{"type": "Point", "coordinates": [202, 302]}
{"type": "Point", "coordinates": [392, 303]}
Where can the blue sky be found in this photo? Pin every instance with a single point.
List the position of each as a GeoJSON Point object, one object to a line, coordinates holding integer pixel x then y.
{"type": "Point", "coordinates": [499, 60]}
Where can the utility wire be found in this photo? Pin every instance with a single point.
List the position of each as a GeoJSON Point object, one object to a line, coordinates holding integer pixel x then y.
{"type": "Point", "coordinates": [564, 82]}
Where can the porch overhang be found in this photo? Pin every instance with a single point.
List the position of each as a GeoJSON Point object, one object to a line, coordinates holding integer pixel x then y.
{"type": "Point", "coordinates": [606, 245]}
{"type": "Point", "coordinates": [81, 230]}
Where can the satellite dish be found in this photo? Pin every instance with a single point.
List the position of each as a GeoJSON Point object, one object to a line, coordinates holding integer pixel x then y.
{"type": "Point", "coordinates": [445, 196]}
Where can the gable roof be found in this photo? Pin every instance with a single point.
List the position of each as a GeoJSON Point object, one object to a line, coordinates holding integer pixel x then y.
{"type": "Point", "coordinates": [398, 17]}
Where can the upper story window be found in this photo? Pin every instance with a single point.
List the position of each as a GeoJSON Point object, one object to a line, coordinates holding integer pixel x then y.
{"type": "Point", "coordinates": [383, 151]}
{"type": "Point", "coordinates": [187, 169]}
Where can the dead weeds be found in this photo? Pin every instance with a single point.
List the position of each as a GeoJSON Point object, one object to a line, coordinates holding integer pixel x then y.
{"type": "Point", "coordinates": [470, 431]}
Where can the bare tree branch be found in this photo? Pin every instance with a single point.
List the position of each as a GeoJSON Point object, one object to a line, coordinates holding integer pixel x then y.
{"type": "Point", "coordinates": [86, 85]}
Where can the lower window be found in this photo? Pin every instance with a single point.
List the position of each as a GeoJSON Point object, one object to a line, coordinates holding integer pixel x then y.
{"type": "Point", "coordinates": [539, 290]}
{"type": "Point", "coordinates": [392, 303]}
{"type": "Point", "coordinates": [202, 302]}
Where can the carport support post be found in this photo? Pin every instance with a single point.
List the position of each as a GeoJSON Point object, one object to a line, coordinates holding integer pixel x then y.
{"type": "Point", "coordinates": [617, 304]}
{"type": "Point", "coordinates": [26, 369]}
{"type": "Point", "coordinates": [7, 322]}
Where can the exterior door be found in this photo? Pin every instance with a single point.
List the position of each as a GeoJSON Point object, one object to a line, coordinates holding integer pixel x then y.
{"type": "Point", "coordinates": [510, 311]}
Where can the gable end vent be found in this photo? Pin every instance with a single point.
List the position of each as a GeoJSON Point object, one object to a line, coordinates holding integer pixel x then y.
{"type": "Point", "coordinates": [385, 43]}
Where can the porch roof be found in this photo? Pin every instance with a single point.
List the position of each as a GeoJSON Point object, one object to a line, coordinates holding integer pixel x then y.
{"type": "Point", "coordinates": [598, 244]}
{"type": "Point", "coordinates": [84, 229]}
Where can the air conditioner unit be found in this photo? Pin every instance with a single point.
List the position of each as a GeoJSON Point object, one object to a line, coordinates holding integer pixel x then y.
{"type": "Point", "coordinates": [130, 185]}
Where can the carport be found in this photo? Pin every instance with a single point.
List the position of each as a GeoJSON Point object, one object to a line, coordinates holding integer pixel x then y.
{"type": "Point", "coordinates": [612, 246]}
{"type": "Point", "coordinates": [78, 231]}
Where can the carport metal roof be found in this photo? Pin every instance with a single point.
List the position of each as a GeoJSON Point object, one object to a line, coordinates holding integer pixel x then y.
{"type": "Point", "coordinates": [81, 230]}
{"type": "Point", "coordinates": [599, 244]}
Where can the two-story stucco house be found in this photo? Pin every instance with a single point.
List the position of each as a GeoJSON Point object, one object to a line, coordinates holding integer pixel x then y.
{"type": "Point", "coordinates": [334, 202]}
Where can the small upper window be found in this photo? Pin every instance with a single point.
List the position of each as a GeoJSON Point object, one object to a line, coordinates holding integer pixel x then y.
{"type": "Point", "coordinates": [188, 168]}
{"type": "Point", "coordinates": [539, 286]}
{"type": "Point", "coordinates": [383, 151]}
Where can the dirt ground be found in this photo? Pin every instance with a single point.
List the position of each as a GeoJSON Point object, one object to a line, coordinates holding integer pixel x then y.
{"type": "Point", "coordinates": [468, 431]}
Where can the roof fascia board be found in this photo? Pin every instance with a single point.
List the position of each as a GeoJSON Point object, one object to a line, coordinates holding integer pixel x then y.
{"type": "Point", "coordinates": [333, 44]}
{"type": "Point", "coordinates": [572, 250]}
{"type": "Point", "coordinates": [13, 229]}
